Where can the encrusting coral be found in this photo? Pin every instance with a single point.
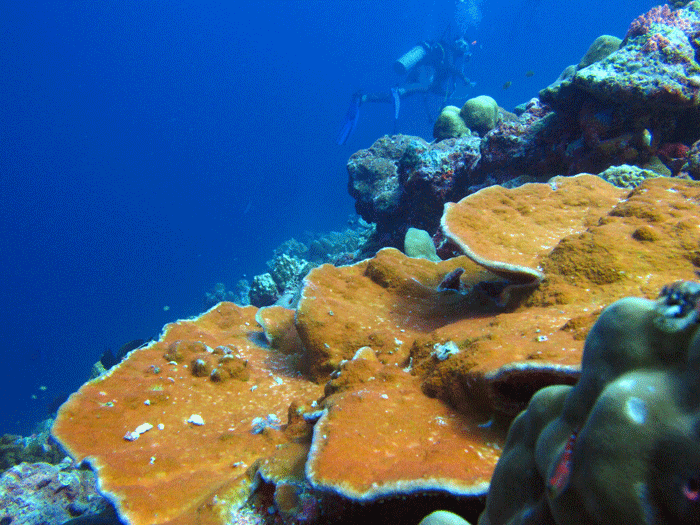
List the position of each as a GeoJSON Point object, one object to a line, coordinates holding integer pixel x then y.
{"type": "Point", "coordinates": [482, 236]}
{"type": "Point", "coordinates": [380, 435]}
{"type": "Point", "coordinates": [426, 364]}
{"type": "Point", "coordinates": [171, 431]}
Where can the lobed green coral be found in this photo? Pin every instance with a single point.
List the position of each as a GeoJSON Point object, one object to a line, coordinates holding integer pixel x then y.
{"type": "Point", "coordinates": [623, 444]}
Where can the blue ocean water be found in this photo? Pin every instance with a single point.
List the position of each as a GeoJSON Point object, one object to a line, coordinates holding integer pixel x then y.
{"type": "Point", "coordinates": [151, 149]}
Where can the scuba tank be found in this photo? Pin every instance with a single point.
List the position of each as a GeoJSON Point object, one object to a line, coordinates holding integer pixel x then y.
{"type": "Point", "coordinates": [409, 59]}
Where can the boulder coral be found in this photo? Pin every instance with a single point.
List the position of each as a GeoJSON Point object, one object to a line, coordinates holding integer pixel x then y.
{"type": "Point", "coordinates": [449, 124]}
{"type": "Point", "coordinates": [622, 446]}
{"type": "Point", "coordinates": [480, 114]}
{"type": "Point", "coordinates": [601, 47]}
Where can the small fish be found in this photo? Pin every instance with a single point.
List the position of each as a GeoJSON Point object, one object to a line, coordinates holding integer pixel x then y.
{"type": "Point", "coordinates": [562, 472]}
{"type": "Point", "coordinates": [451, 281]}
{"type": "Point", "coordinates": [530, 73]}
{"type": "Point", "coordinates": [507, 85]}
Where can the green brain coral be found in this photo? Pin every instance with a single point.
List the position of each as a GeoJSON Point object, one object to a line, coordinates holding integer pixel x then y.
{"type": "Point", "coordinates": [480, 114]}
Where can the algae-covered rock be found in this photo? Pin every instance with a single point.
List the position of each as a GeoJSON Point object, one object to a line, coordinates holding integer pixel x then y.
{"type": "Point", "coordinates": [480, 114]}
{"type": "Point", "coordinates": [655, 65]}
{"type": "Point", "coordinates": [623, 445]}
{"type": "Point", "coordinates": [626, 176]}
{"type": "Point", "coordinates": [449, 125]}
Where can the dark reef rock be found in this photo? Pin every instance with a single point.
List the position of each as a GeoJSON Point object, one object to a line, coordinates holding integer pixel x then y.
{"type": "Point", "coordinates": [401, 181]}
{"type": "Point", "coordinates": [374, 178]}
{"type": "Point", "coordinates": [532, 144]}
{"type": "Point", "coordinates": [432, 174]}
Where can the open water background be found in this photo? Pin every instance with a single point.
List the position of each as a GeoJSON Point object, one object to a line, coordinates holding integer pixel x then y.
{"type": "Point", "coordinates": [150, 149]}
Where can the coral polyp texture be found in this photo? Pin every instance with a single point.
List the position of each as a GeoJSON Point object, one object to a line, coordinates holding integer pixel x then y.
{"type": "Point", "coordinates": [623, 445]}
{"type": "Point", "coordinates": [200, 389]}
{"type": "Point", "coordinates": [380, 435]}
{"type": "Point", "coordinates": [481, 236]}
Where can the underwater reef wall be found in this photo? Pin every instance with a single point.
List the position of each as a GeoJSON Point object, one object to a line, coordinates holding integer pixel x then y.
{"type": "Point", "coordinates": [629, 102]}
{"type": "Point", "coordinates": [397, 378]}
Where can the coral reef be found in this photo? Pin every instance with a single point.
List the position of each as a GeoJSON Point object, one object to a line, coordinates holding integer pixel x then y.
{"type": "Point", "coordinates": [38, 447]}
{"type": "Point", "coordinates": [622, 445]}
{"type": "Point", "coordinates": [440, 449]}
{"type": "Point", "coordinates": [200, 387]}
{"type": "Point", "coordinates": [481, 236]}
{"type": "Point", "coordinates": [630, 102]}
{"type": "Point", "coordinates": [654, 67]}
{"type": "Point", "coordinates": [592, 242]}
{"type": "Point", "coordinates": [263, 290]}
{"type": "Point", "coordinates": [423, 362]}
{"type": "Point", "coordinates": [403, 182]}
{"type": "Point", "coordinates": [601, 47]}
{"type": "Point", "coordinates": [374, 179]}
{"type": "Point", "coordinates": [396, 377]}
{"type": "Point", "coordinates": [293, 259]}
{"type": "Point", "coordinates": [219, 293]}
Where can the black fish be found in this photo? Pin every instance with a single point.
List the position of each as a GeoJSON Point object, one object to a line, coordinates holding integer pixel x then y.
{"type": "Point", "coordinates": [109, 359]}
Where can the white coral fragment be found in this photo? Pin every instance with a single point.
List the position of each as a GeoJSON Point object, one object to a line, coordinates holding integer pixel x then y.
{"type": "Point", "coordinates": [196, 419]}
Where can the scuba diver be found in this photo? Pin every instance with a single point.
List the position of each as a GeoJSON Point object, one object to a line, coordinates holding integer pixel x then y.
{"type": "Point", "coordinates": [431, 67]}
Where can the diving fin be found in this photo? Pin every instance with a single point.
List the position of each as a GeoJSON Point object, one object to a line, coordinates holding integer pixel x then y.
{"type": "Point", "coordinates": [351, 119]}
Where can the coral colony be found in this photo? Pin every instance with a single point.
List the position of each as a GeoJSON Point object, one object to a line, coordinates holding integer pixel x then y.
{"type": "Point", "coordinates": [515, 337]}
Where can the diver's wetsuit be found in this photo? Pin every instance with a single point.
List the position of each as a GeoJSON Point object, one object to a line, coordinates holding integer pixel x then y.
{"type": "Point", "coordinates": [440, 58]}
